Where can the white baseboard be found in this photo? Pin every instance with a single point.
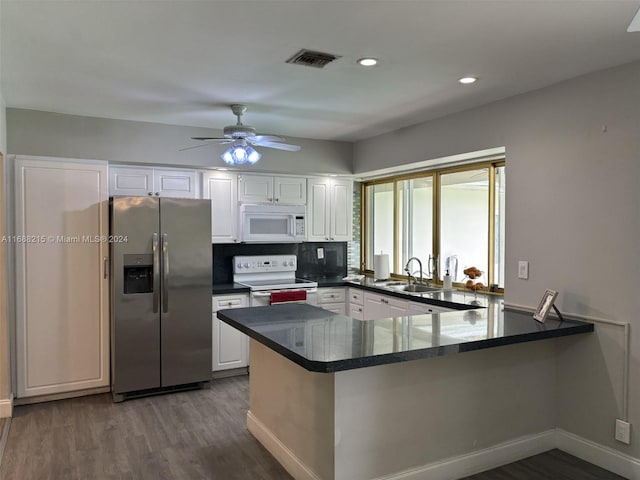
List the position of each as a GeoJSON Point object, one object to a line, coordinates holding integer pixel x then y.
{"type": "Point", "coordinates": [480, 460]}
{"type": "Point", "coordinates": [474, 462]}
{"type": "Point", "coordinates": [617, 462]}
{"type": "Point", "coordinates": [6, 407]}
{"type": "Point", "coordinates": [60, 396]}
{"type": "Point", "coordinates": [292, 464]}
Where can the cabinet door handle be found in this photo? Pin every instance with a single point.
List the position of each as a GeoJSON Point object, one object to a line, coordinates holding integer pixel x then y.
{"type": "Point", "coordinates": [277, 199]}
{"type": "Point", "coordinates": [157, 194]}
{"type": "Point", "coordinates": [106, 266]}
{"type": "Point", "coordinates": [149, 193]}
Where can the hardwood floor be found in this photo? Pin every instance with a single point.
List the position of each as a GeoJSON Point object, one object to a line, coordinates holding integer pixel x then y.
{"type": "Point", "coordinates": [180, 436]}
{"type": "Point", "coordinates": [183, 436]}
{"type": "Point", "coordinates": [551, 465]}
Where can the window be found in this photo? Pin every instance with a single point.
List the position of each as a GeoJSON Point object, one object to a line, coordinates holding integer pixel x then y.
{"type": "Point", "coordinates": [379, 212]}
{"type": "Point", "coordinates": [415, 212]}
{"type": "Point", "coordinates": [450, 219]}
{"type": "Point", "coordinates": [464, 221]}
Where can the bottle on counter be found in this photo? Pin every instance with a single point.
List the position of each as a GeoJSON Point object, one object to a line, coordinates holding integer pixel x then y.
{"type": "Point", "coordinates": [447, 281]}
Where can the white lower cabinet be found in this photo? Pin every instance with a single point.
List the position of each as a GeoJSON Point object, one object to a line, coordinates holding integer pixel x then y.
{"type": "Point", "coordinates": [383, 306]}
{"type": "Point", "coordinates": [417, 308]}
{"type": "Point", "coordinates": [372, 306]}
{"type": "Point", "coordinates": [356, 302]}
{"type": "Point", "coordinates": [332, 299]}
{"type": "Point", "coordinates": [62, 289]}
{"type": "Point", "coordinates": [230, 347]}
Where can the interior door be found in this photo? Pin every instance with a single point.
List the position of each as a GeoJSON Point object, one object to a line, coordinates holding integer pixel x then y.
{"type": "Point", "coordinates": [186, 290]}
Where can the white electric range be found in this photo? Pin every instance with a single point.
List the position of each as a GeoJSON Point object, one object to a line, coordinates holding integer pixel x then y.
{"type": "Point", "coordinates": [266, 274]}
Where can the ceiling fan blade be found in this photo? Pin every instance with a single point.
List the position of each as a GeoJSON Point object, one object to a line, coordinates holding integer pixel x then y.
{"type": "Point", "coordinates": [209, 139]}
{"type": "Point", "coordinates": [279, 146]}
{"type": "Point", "coordinates": [266, 138]}
{"type": "Point", "coordinates": [190, 148]}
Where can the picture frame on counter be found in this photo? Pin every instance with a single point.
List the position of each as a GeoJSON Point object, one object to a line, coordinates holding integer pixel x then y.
{"type": "Point", "coordinates": [545, 305]}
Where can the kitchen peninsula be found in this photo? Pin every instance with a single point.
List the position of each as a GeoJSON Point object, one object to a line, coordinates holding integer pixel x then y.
{"type": "Point", "coordinates": [335, 398]}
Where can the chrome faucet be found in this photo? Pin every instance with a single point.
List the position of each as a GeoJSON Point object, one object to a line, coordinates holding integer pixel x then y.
{"type": "Point", "coordinates": [406, 269]}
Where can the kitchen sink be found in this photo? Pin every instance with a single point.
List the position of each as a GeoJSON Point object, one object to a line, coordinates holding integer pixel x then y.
{"type": "Point", "coordinates": [419, 288]}
{"type": "Point", "coordinates": [390, 284]}
{"type": "Point", "coordinates": [403, 287]}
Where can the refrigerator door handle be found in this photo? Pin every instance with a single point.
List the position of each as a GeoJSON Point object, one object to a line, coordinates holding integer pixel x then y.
{"type": "Point", "coordinates": [156, 271]}
{"type": "Point", "coordinates": [165, 272]}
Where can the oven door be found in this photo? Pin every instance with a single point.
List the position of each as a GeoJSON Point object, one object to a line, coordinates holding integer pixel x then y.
{"type": "Point", "coordinates": [263, 297]}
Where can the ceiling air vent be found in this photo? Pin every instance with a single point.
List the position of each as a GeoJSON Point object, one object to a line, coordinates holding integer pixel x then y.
{"type": "Point", "coordinates": [309, 58]}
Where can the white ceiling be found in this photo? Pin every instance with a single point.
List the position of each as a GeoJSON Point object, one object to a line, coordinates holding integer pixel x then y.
{"type": "Point", "coordinates": [183, 62]}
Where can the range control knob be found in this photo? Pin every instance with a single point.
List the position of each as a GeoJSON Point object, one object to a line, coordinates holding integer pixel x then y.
{"type": "Point", "coordinates": [246, 265]}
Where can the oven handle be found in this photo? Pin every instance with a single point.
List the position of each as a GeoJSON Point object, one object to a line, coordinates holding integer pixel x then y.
{"type": "Point", "coordinates": [268, 294]}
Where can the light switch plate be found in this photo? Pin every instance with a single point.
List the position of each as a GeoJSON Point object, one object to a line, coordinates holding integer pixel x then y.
{"type": "Point", "coordinates": [523, 270]}
{"type": "Point", "coordinates": [320, 253]}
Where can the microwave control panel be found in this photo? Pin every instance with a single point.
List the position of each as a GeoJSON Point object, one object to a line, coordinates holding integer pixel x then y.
{"type": "Point", "coordinates": [299, 226]}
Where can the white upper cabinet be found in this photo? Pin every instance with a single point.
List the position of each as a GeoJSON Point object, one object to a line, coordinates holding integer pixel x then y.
{"type": "Point", "coordinates": [160, 182]}
{"type": "Point", "coordinates": [329, 212]}
{"type": "Point", "coordinates": [255, 188]}
{"type": "Point", "coordinates": [220, 187]}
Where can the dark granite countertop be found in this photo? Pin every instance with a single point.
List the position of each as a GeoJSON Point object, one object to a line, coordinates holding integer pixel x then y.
{"type": "Point", "coordinates": [321, 341]}
{"type": "Point", "coordinates": [224, 288]}
{"type": "Point", "coordinates": [456, 299]}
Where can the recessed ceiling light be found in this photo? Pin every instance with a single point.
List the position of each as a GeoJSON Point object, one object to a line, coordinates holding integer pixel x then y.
{"type": "Point", "coordinates": [467, 80]}
{"type": "Point", "coordinates": [368, 61]}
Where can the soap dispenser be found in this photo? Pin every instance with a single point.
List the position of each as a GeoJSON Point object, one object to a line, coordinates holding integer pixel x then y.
{"type": "Point", "coordinates": [447, 281]}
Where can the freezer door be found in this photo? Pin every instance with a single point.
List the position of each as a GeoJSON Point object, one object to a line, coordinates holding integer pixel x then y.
{"type": "Point", "coordinates": [135, 317]}
{"type": "Point", "coordinates": [186, 290]}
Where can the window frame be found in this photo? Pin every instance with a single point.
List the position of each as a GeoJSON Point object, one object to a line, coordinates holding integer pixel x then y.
{"type": "Point", "coordinates": [435, 174]}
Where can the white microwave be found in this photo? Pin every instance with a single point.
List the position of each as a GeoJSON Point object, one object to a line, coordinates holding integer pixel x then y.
{"type": "Point", "coordinates": [272, 223]}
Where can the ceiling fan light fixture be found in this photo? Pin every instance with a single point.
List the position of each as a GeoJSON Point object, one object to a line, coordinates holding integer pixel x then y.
{"type": "Point", "coordinates": [240, 154]}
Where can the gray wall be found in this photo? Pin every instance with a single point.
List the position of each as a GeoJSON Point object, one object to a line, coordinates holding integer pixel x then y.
{"type": "Point", "coordinates": [572, 212]}
{"type": "Point", "coordinates": [32, 132]}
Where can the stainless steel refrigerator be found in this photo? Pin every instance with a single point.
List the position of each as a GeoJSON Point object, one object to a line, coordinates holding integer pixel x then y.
{"type": "Point", "coordinates": [161, 272]}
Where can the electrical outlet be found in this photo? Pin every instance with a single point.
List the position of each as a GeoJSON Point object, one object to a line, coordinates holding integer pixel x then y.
{"type": "Point", "coordinates": [623, 431]}
{"type": "Point", "coordinates": [523, 270]}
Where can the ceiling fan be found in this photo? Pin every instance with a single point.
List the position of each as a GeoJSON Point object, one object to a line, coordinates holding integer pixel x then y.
{"type": "Point", "coordinates": [242, 137]}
